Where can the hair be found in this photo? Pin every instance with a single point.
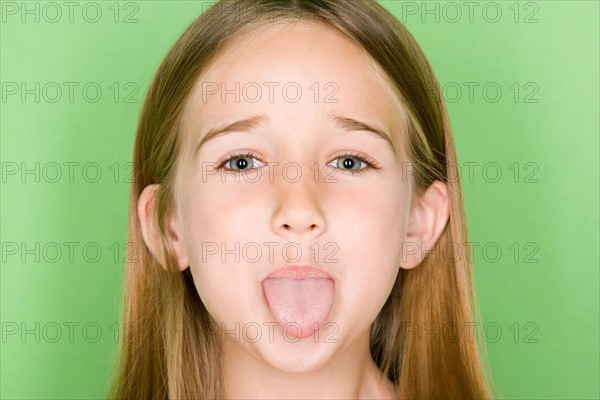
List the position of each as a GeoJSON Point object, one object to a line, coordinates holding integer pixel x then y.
{"type": "Point", "coordinates": [169, 349]}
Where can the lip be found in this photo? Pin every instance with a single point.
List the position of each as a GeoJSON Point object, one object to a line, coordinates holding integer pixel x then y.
{"type": "Point", "coordinates": [299, 272]}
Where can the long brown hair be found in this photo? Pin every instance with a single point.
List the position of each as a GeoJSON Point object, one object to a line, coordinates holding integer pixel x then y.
{"type": "Point", "coordinates": [169, 350]}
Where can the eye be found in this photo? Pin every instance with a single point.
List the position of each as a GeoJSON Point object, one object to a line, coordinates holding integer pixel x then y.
{"type": "Point", "coordinates": [239, 163]}
{"type": "Point", "coordinates": [352, 162]}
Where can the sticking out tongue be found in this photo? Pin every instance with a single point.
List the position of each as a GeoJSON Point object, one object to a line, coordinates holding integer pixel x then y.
{"type": "Point", "coordinates": [299, 305]}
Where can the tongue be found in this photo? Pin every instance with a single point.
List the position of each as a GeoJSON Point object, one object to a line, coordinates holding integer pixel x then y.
{"type": "Point", "coordinates": [299, 305]}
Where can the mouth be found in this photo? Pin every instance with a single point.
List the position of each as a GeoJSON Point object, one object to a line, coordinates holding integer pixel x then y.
{"type": "Point", "coordinates": [300, 298]}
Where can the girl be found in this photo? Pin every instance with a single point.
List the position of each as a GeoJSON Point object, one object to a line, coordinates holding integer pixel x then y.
{"type": "Point", "coordinates": [299, 225]}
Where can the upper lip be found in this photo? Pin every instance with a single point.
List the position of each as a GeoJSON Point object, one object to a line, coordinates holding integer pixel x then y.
{"type": "Point", "coordinates": [299, 272]}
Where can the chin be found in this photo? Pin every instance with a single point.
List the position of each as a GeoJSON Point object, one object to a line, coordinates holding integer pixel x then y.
{"type": "Point", "coordinates": [301, 356]}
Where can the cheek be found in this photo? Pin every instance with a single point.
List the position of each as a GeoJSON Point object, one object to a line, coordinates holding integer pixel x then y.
{"type": "Point", "coordinates": [218, 212]}
{"type": "Point", "coordinates": [371, 247]}
{"type": "Point", "coordinates": [374, 220]}
{"type": "Point", "coordinates": [217, 226]}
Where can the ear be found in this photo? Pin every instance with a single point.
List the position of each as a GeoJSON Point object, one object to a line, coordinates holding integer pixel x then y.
{"type": "Point", "coordinates": [151, 233]}
{"type": "Point", "coordinates": [427, 220]}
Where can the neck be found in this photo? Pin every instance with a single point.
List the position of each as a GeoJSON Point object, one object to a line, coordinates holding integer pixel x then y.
{"type": "Point", "coordinates": [351, 373]}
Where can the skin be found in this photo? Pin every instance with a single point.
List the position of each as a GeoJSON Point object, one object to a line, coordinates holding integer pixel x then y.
{"type": "Point", "coordinates": [366, 216]}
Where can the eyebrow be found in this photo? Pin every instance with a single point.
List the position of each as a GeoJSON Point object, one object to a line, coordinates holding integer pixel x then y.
{"type": "Point", "coordinates": [248, 124]}
{"type": "Point", "coordinates": [244, 125]}
{"type": "Point", "coordinates": [350, 124]}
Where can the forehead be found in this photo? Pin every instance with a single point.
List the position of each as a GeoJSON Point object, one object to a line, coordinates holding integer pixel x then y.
{"type": "Point", "coordinates": [314, 57]}
{"type": "Point", "coordinates": [290, 49]}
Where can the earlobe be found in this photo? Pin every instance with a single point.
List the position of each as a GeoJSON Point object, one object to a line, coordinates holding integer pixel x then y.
{"type": "Point", "coordinates": [428, 219]}
{"type": "Point", "coordinates": [151, 232]}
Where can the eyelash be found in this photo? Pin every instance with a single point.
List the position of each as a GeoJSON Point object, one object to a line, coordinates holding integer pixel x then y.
{"type": "Point", "coordinates": [361, 157]}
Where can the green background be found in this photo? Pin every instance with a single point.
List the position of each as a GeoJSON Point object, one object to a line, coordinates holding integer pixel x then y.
{"type": "Point", "coordinates": [538, 297]}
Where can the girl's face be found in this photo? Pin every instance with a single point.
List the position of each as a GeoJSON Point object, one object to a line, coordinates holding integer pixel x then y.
{"type": "Point", "coordinates": [307, 98]}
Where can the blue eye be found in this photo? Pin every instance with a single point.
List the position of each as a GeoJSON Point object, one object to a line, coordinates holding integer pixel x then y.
{"type": "Point", "coordinates": [240, 163]}
{"type": "Point", "coordinates": [354, 167]}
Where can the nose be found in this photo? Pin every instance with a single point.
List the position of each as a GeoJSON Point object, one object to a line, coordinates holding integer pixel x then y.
{"type": "Point", "coordinates": [298, 213]}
